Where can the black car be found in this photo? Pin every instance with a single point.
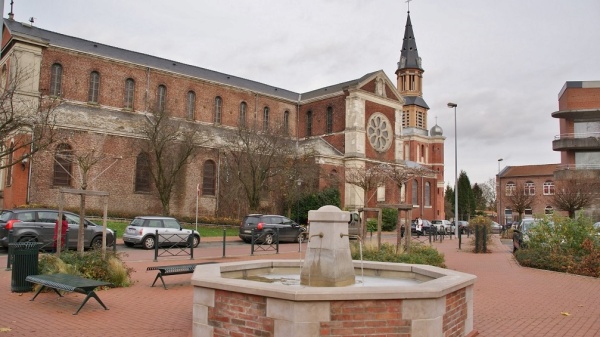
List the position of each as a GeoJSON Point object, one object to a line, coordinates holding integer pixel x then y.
{"type": "Point", "coordinates": [265, 227]}
{"type": "Point", "coordinates": [37, 225]}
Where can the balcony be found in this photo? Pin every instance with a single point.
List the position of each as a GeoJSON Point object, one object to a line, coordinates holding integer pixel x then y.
{"type": "Point", "coordinates": [589, 141]}
{"type": "Point", "coordinates": [577, 171]}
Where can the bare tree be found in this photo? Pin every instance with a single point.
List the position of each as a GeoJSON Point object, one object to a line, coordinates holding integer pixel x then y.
{"type": "Point", "coordinates": [171, 145]}
{"type": "Point", "coordinates": [489, 192]}
{"type": "Point", "coordinates": [256, 156]}
{"type": "Point", "coordinates": [519, 198]}
{"type": "Point", "coordinates": [574, 194]}
{"type": "Point", "coordinates": [27, 123]}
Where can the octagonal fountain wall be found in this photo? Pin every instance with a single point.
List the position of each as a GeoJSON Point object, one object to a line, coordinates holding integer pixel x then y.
{"type": "Point", "coordinates": [276, 298]}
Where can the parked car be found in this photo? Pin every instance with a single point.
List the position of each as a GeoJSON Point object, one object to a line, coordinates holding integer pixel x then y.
{"type": "Point", "coordinates": [37, 225]}
{"type": "Point", "coordinates": [520, 237]}
{"type": "Point", "coordinates": [354, 224]}
{"type": "Point", "coordinates": [496, 227]}
{"type": "Point", "coordinates": [426, 227]}
{"type": "Point", "coordinates": [142, 231]}
{"type": "Point", "coordinates": [443, 226]}
{"type": "Point", "coordinates": [265, 226]}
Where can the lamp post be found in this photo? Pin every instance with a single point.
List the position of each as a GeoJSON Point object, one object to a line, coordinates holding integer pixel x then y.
{"type": "Point", "coordinates": [454, 105]}
{"type": "Point", "coordinates": [299, 183]}
{"type": "Point", "coordinates": [499, 195]}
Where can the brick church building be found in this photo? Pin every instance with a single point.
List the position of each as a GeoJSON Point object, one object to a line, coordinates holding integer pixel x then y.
{"type": "Point", "coordinates": [106, 94]}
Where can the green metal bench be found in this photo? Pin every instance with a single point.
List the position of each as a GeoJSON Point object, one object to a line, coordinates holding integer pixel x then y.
{"type": "Point", "coordinates": [71, 283]}
{"type": "Point", "coordinates": [176, 269]}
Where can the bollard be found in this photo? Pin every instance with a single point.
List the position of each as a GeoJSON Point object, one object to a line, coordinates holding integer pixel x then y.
{"type": "Point", "coordinates": [224, 239]}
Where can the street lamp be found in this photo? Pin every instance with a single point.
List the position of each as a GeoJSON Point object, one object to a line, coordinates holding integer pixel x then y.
{"type": "Point", "coordinates": [454, 105]}
{"type": "Point", "coordinates": [499, 194]}
{"type": "Point", "coordinates": [299, 183]}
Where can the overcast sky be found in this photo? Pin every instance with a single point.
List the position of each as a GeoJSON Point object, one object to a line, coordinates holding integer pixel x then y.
{"type": "Point", "coordinates": [503, 62]}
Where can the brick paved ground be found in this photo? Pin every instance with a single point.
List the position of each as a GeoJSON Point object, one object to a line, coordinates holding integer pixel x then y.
{"type": "Point", "coordinates": [509, 300]}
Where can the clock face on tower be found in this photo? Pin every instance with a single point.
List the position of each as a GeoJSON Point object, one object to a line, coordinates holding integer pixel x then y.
{"type": "Point", "coordinates": [379, 132]}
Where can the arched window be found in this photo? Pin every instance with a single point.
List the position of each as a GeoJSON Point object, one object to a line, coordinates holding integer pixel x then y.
{"type": "Point", "coordinates": [334, 179]}
{"type": "Point", "coordinates": [403, 193]}
{"type": "Point", "coordinates": [427, 194]}
{"type": "Point", "coordinates": [191, 104]}
{"type": "Point", "coordinates": [56, 80]}
{"type": "Point", "coordinates": [548, 210]}
{"type": "Point", "coordinates": [63, 165]}
{"type": "Point", "coordinates": [266, 118]}
{"type": "Point", "coordinates": [309, 123]}
{"type": "Point", "coordinates": [142, 172]}
{"type": "Point", "coordinates": [510, 189]}
{"type": "Point", "coordinates": [161, 100]}
{"type": "Point", "coordinates": [94, 88]}
{"type": "Point", "coordinates": [528, 212]}
{"type": "Point", "coordinates": [243, 109]}
{"type": "Point", "coordinates": [329, 119]}
{"type": "Point", "coordinates": [129, 93]}
{"type": "Point", "coordinates": [218, 107]}
{"type": "Point", "coordinates": [208, 178]}
{"type": "Point", "coordinates": [548, 188]}
{"type": "Point", "coordinates": [286, 122]}
{"type": "Point", "coordinates": [529, 188]}
{"type": "Point", "coordinates": [415, 192]}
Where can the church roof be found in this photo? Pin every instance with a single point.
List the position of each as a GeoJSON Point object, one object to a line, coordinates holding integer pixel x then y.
{"type": "Point", "coordinates": [46, 37]}
{"type": "Point", "coordinates": [409, 56]}
{"type": "Point", "coordinates": [335, 88]}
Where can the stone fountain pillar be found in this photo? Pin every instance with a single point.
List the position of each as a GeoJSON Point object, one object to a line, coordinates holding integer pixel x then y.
{"type": "Point", "coordinates": [328, 262]}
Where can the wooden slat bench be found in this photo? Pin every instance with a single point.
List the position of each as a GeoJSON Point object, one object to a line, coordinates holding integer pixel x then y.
{"type": "Point", "coordinates": [174, 270]}
{"type": "Point", "coordinates": [66, 282]}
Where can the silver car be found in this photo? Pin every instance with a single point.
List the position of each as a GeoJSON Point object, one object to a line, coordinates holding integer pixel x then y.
{"type": "Point", "coordinates": [143, 229]}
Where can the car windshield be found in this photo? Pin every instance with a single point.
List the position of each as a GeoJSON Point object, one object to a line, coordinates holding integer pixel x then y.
{"type": "Point", "coordinates": [137, 222]}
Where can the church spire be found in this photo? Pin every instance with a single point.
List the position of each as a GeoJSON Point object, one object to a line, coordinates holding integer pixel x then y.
{"type": "Point", "coordinates": [409, 56]}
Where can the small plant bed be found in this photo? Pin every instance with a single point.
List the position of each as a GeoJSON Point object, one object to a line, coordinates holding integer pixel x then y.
{"type": "Point", "coordinates": [419, 254]}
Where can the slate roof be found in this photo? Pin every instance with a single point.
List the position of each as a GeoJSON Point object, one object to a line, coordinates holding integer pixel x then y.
{"type": "Point", "coordinates": [416, 100]}
{"type": "Point", "coordinates": [409, 48]}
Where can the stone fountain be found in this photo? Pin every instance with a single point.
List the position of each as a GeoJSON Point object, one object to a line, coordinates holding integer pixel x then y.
{"type": "Point", "coordinates": [332, 298]}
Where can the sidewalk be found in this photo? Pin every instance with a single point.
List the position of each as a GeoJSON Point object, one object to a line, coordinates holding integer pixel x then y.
{"type": "Point", "coordinates": [509, 300]}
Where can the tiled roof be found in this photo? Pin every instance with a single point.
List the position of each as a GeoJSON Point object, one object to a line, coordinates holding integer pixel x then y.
{"type": "Point", "coordinates": [529, 170]}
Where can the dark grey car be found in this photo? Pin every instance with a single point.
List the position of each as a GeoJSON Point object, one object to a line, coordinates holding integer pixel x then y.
{"type": "Point", "coordinates": [37, 225]}
{"type": "Point", "coordinates": [266, 226]}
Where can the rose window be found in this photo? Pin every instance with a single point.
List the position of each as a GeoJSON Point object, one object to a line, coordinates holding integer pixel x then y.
{"type": "Point", "coordinates": [379, 132]}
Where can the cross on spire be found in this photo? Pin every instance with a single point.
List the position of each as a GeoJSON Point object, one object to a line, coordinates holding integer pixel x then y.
{"type": "Point", "coordinates": [408, 4]}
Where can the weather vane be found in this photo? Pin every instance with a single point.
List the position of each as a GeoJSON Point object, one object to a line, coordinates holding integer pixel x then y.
{"type": "Point", "coordinates": [408, 4]}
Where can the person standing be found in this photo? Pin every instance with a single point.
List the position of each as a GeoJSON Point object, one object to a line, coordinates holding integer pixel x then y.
{"type": "Point", "coordinates": [64, 225]}
{"type": "Point", "coordinates": [419, 226]}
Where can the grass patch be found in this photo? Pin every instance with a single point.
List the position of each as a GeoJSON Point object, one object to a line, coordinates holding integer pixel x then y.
{"type": "Point", "coordinates": [205, 231]}
{"type": "Point", "coordinates": [419, 254]}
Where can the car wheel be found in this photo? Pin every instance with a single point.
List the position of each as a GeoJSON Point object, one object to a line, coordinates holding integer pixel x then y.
{"type": "Point", "coordinates": [96, 243]}
{"type": "Point", "coordinates": [196, 241]}
{"type": "Point", "coordinates": [129, 244]}
{"type": "Point", "coordinates": [268, 239]}
{"type": "Point", "coordinates": [247, 240]}
{"type": "Point", "coordinates": [148, 242]}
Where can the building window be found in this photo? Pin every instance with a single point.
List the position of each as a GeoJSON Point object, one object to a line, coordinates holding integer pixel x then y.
{"type": "Point", "coordinates": [309, 124]}
{"type": "Point", "coordinates": [63, 165]}
{"type": "Point", "coordinates": [243, 109]}
{"type": "Point", "coordinates": [528, 212]}
{"type": "Point", "coordinates": [266, 119]}
{"type": "Point", "coordinates": [509, 190]}
{"type": "Point", "coordinates": [218, 107]}
{"type": "Point", "coordinates": [94, 89]}
{"type": "Point", "coordinates": [427, 194]}
{"type": "Point", "coordinates": [208, 178]}
{"type": "Point", "coordinates": [529, 188]}
{"type": "Point", "coordinates": [142, 173]}
{"type": "Point", "coordinates": [415, 192]}
{"type": "Point", "coordinates": [329, 120]}
{"type": "Point", "coordinates": [403, 193]}
{"type": "Point", "coordinates": [191, 104]}
{"type": "Point", "coordinates": [9, 169]}
{"type": "Point", "coordinates": [420, 123]}
{"type": "Point", "coordinates": [161, 98]}
{"type": "Point", "coordinates": [129, 93]}
{"type": "Point", "coordinates": [286, 122]}
{"type": "Point", "coordinates": [548, 210]}
{"type": "Point", "coordinates": [549, 188]}
{"type": "Point", "coordinates": [56, 80]}
{"type": "Point", "coordinates": [381, 193]}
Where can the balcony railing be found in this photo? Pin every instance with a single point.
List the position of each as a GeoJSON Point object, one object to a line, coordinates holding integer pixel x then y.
{"type": "Point", "coordinates": [577, 135]}
{"type": "Point", "coordinates": [579, 167]}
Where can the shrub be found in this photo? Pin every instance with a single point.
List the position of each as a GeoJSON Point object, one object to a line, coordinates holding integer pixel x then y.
{"type": "Point", "coordinates": [91, 265]}
{"type": "Point", "coordinates": [419, 254]}
{"type": "Point", "coordinates": [480, 225]}
{"type": "Point", "coordinates": [389, 219]}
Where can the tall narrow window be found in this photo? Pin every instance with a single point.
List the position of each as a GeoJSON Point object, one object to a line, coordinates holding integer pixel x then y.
{"type": "Point", "coordinates": [309, 124]}
{"type": "Point", "coordinates": [208, 178]}
{"type": "Point", "coordinates": [427, 194]}
{"type": "Point", "coordinates": [243, 109]}
{"type": "Point", "coordinates": [56, 80]}
{"type": "Point", "coordinates": [510, 189]}
{"type": "Point", "coordinates": [415, 193]}
{"type": "Point", "coordinates": [218, 107]}
{"type": "Point", "coordinates": [161, 98]}
{"type": "Point", "coordinates": [191, 104]}
{"type": "Point", "coordinates": [129, 93]}
{"type": "Point", "coordinates": [9, 169]}
{"type": "Point", "coordinates": [286, 122]}
{"type": "Point", "coordinates": [142, 172]}
{"type": "Point", "coordinates": [94, 89]}
{"type": "Point", "coordinates": [329, 120]}
{"type": "Point", "coordinates": [266, 118]}
{"type": "Point", "coordinates": [63, 165]}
